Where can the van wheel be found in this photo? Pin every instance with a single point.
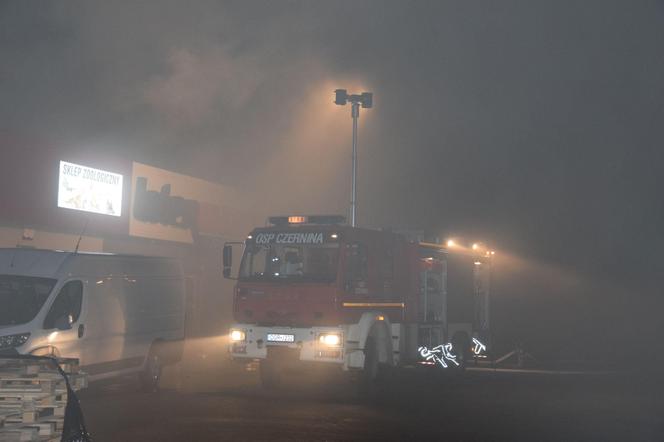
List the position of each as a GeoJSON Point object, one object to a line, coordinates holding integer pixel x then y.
{"type": "Point", "coordinates": [151, 375]}
{"type": "Point", "coordinates": [269, 373]}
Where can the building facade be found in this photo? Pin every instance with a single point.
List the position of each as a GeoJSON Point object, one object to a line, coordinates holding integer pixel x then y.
{"type": "Point", "coordinates": [97, 202]}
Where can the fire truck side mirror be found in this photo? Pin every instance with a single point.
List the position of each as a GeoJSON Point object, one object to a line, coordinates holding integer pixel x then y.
{"type": "Point", "coordinates": [228, 260]}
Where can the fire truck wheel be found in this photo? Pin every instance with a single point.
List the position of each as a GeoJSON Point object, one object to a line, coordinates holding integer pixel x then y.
{"type": "Point", "coordinates": [461, 348]}
{"type": "Point", "coordinates": [369, 380]}
{"type": "Point", "coordinates": [269, 374]}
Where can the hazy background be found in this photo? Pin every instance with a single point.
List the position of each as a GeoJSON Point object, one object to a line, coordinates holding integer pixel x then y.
{"type": "Point", "coordinates": [535, 126]}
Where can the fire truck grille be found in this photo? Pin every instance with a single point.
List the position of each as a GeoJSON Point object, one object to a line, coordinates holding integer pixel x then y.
{"type": "Point", "coordinates": [283, 354]}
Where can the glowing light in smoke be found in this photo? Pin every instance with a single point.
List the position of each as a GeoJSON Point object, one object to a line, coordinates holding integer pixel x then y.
{"type": "Point", "coordinates": [330, 339]}
{"type": "Point", "coordinates": [238, 335]}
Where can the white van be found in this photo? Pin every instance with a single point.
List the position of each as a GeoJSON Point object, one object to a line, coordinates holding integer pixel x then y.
{"type": "Point", "coordinates": [118, 314]}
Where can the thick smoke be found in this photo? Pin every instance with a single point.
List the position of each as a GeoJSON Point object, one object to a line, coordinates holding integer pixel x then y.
{"type": "Point", "coordinates": [535, 126]}
{"type": "Point", "coordinates": [198, 84]}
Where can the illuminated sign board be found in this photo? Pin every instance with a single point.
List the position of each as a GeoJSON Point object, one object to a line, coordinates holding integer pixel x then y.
{"type": "Point", "coordinates": [90, 190]}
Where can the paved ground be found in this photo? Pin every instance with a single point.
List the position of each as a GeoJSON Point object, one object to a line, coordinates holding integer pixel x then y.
{"type": "Point", "coordinates": [210, 403]}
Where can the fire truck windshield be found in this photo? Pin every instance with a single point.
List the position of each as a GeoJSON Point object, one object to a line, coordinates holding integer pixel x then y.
{"type": "Point", "coordinates": [290, 262]}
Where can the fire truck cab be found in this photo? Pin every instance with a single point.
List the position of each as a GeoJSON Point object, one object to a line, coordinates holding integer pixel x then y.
{"type": "Point", "coordinates": [313, 289]}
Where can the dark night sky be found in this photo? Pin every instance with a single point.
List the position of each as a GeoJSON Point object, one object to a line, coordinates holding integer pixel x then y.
{"type": "Point", "coordinates": [533, 125]}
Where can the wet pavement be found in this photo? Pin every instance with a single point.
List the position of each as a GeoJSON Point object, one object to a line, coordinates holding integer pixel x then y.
{"type": "Point", "coordinates": [207, 400]}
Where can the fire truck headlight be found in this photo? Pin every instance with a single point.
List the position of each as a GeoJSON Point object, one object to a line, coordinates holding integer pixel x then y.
{"type": "Point", "coordinates": [238, 335]}
{"type": "Point", "coordinates": [330, 339]}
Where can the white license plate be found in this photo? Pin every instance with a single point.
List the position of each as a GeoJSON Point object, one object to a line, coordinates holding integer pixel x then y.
{"type": "Point", "coordinates": [280, 337]}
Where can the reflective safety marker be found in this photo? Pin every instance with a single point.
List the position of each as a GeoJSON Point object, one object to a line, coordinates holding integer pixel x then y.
{"type": "Point", "coordinates": [479, 347]}
{"type": "Point", "coordinates": [374, 304]}
{"type": "Point", "coordinates": [439, 354]}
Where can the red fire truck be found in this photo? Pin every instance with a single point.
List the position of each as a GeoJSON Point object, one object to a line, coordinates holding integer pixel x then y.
{"type": "Point", "coordinates": [314, 289]}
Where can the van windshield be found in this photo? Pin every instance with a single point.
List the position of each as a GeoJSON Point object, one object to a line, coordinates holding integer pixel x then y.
{"type": "Point", "coordinates": [292, 263]}
{"type": "Point", "coordinates": [21, 298]}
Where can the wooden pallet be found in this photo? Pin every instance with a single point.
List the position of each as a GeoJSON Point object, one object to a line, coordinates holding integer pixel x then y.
{"type": "Point", "coordinates": [33, 398]}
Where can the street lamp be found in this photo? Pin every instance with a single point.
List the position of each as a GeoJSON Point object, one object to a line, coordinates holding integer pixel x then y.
{"type": "Point", "coordinates": [365, 99]}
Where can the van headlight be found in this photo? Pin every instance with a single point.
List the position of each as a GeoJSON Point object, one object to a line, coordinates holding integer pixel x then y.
{"type": "Point", "coordinates": [12, 341]}
{"type": "Point", "coordinates": [330, 339]}
{"type": "Point", "coordinates": [238, 335]}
